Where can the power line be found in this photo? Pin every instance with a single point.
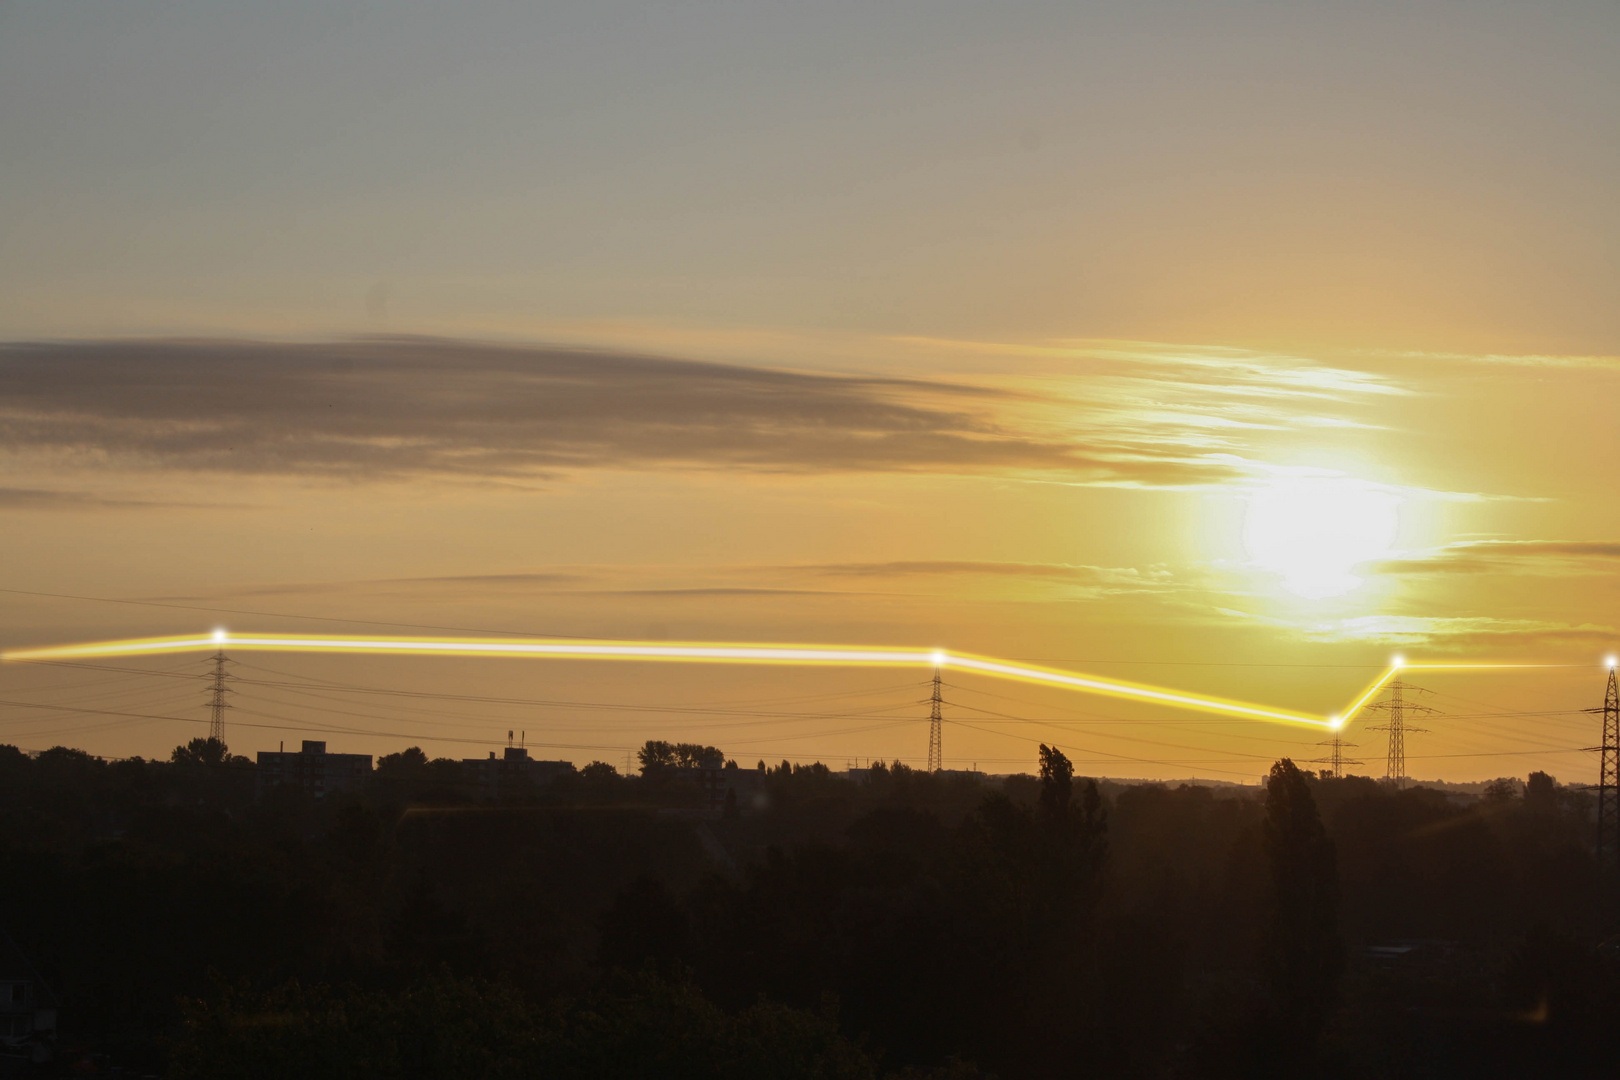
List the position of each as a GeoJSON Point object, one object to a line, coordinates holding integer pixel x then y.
{"type": "Point", "coordinates": [530, 633]}
{"type": "Point", "coordinates": [285, 615]}
{"type": "Point", "coordinates": [1051, 723]}
{"type": "Point", "coordinates": [335, 684]}
{"type": "Point", "coordinates": [1088, 750]}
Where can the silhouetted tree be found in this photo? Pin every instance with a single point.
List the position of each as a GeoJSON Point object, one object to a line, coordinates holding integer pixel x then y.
{"type": "Point", "coordinates": [658, 757]}
{"type": "Point", "coordinates": [1303, 954]}
{"type": "Point", "coordinates": [1057, 784]}
{"type": "Point", "coordinates": [407, 764]}
{"type": "Point", "coordinates": [1184, 932]}
{"type": "Point", "coordinates": [1541, 793]}
{"type": "Point", "coordinates": [209, 751]}
{"type": "Point", "coordinates": [1502, 789]}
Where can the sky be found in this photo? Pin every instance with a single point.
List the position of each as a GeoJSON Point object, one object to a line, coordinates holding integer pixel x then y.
{"type": "Point", "coordinates": [1230, 347]}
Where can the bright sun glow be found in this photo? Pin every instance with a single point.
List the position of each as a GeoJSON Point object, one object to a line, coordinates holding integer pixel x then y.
{"type": "Point", "coordinates": [1314, 532]}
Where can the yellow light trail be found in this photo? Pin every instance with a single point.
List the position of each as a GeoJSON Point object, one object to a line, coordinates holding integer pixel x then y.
{"type": "Point", "coordinates": [731, 653]}
{"type": "Point", "coordinates": [1401, 665]}
{"type": "Point", "coordinates": [684, 652]}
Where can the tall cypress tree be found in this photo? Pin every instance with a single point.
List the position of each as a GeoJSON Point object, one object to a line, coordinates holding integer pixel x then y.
{"type": "Point", "coordinates": [1303, 954]}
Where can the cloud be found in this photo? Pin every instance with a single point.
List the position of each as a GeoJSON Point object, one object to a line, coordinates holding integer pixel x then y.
{"type": "Point", "coordinates": [48, 499]}
{"type": "Point", "coordinates": [1056, 581]}
{"type": "Point", "coordinates": [1457, 632]}
{"type": "Point", "coordinates": [711, 591]}
{"type": "Point", "coordinates": [1560, 558]}
{"type": "Point", "coordinates": [1068, 573]}
{"type": "Point", "coordinates": [402, 407]}
{"type": "Point", "coordinates": [1527, 360]}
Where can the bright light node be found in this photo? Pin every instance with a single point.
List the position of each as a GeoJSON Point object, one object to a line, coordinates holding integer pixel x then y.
{"type": "Point", "coordinates": [1398, 661]}
{"type": "Point", "coordinates": [1335, 721]}
{"type": "Point", "coordinates": [939, 657]}
{"type": "Point", "coordinates": [1611, 661]}
{"type": "Point", "coordinates": [219, 635]}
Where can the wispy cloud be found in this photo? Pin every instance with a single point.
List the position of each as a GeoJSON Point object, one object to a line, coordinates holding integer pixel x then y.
{"type": "Point", "coordinates": [52, 499]}
{"type": "Point", "coordinates": [962, 580]}
{"type": "Point", "coordinates": [1530, 360]}
{"type": "Point", "coordinates": [1451, 633]}
{"type": "Point", "coordinates": [1125, 414]}
{"type": "Point", "coordinates": [1457, 632]}
{"type": "Point", "coordinates": [1548, 557]}
{"type": "Point", "coordinates": [1215, 404]}
{"type": "Point", "coordinates": [1124, 578]}
{"type": "Point", "coordinates": [1234, 371]}
{"type": "Point", "coordinates": [392, 408]}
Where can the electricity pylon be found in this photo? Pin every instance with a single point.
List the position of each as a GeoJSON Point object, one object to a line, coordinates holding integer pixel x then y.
{"type": "Point", "coordinates": [1335, 761]}
{"type": "Point", "coordinates": [1397, 707]}
{"type": "Point", "coordinates": [217, 704]}
{"type": "Point", "coordinates": [936, 754]}
{"type": "Point", "coordinates": [1608, 816]}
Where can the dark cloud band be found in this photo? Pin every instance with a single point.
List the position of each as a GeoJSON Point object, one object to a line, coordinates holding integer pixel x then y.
{"type": "Point", "coordinates": [390, 408]}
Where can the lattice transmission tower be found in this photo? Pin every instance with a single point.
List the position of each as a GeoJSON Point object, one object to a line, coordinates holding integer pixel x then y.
{"type": "Point", "coordinates": [936, 753]}
{"type": "Point", "coordinates": [1335, 761]}
{"type": "Point", "coordinates": [1608, 818]}
{"type": "Point", "coordinates": [1398, 709]}
{"type": "Point", "coordinates": [217, 703]}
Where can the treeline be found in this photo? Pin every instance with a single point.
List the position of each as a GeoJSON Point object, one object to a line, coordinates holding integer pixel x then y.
{"type": "Point", "coordinates": [907, 924]}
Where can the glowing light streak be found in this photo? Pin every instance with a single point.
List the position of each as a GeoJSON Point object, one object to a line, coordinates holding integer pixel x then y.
{"type": "Point", "coordinates": [1399, 664]}
{"type": "Point", "coordinates": [728, 653]}
{"type": "Point", "coordinates": [687, 652]}
{"type": "Point", "coordinates": [1367, 696]}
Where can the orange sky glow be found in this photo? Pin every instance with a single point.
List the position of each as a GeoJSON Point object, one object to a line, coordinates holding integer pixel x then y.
{"type": "Point", "coordinates": [1230, 352]}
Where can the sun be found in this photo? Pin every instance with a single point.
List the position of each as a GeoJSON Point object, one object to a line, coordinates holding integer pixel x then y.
{"type": "Point", "coordinates": [1313, 532]}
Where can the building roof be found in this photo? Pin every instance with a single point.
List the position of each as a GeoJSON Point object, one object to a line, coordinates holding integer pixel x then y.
{"type": "Point", "coordinates": [14, 964]}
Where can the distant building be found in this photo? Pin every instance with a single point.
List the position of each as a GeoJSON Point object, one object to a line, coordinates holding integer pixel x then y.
{"type": "Point", "coordinates": [747, 786]}
{"type": "Point", "coordinates": [856, 774]}
{"type": "Point", "coordinates": [712, 779]}
{"type": "Point", "coordinates": [313, 769]}
{"type": "Point", "coordinates": [27, 1010]}
{"type": "Point", "coordinates": [512, 773]}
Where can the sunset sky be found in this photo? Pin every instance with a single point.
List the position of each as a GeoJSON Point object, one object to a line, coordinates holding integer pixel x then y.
{"type": "Point", "coordinates": [1228, 347]}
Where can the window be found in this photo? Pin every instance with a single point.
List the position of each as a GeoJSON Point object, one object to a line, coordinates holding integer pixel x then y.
{"type": "Point", "coordinates": [19, 993]}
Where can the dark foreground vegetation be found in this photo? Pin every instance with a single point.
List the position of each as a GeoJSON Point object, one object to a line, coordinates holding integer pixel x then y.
{"type": "Point", "coordinates": [905, 924]}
